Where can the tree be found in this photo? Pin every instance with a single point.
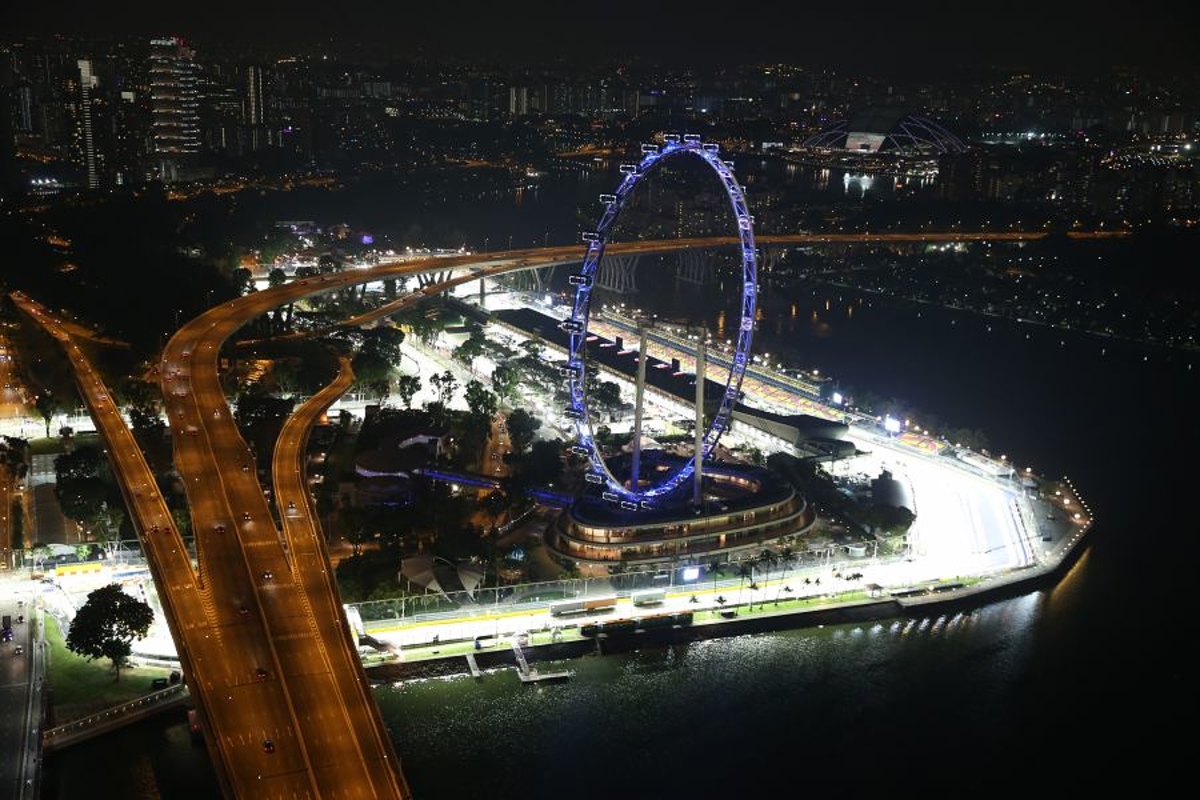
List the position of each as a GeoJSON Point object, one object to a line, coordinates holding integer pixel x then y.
{"type": "Point", "coordinates": [242, 280]}
{"type": "Point", "coordinates": [80, 482]}
{"type": "Point", "coordinates": [14, 454]}
{"type": "Point", "coordinates": [445, 385]}
{"type": "Point", "coordinates": [505, 381]}
{"type": "Point", "coordinates": [606, 394]}
{"type": "Point", "coordinates": [48, 405]}
{"type": "Point", "coordinates": [766, 561]}
{"type": "Point", "coordinates": [745, 570]}
{"type": "Point", "coordinates": [533, 348]}
{"type": "Point", "coordinates": [521, 428]}
{"type": "Point", "coordinates": [787, 557]}
{"type": "Point", "coordinates": [480, 401]}
{"type": "Point", "coordinates": [474, 346]}
{"type": "Point", "coordinates": [371, 372]}
{"type": "Point", "coordinates": [107, 625]}
{"type": "Point", "coordinates": [384, 341]}
{"type": "Point", "coordinates": [106, 526]}
{"type": "Point", "coordinates": [407, 387]}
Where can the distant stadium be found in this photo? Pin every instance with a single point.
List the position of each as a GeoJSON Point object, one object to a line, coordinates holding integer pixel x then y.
{"type": "Point", "coordinates": [886, 131]}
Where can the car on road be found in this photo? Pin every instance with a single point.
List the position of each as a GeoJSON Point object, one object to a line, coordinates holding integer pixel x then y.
{"type": "Point", "coordinates": [246, 516]}
{"type": "Point", "coordinates": [268, 746]}
{"type": "Point", "coordinates": [261, 674]}
{"type": "Point", "coordinates": [266, 576]}
{"type": "Point", "coordinates": [18, 650]}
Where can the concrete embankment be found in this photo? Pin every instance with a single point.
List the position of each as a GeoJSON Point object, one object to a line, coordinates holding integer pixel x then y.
{"type": "Point", "coordinates": [734, 622]}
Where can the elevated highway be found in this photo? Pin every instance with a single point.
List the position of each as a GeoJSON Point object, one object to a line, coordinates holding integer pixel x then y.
{"type": "Point", "coordinates": [262, 636]}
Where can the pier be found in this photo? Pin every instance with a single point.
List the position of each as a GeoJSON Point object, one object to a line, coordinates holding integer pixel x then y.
{"type": "Point", "coordinates": [474, 665]}
{"type": "Point", "coordinates": [530, 674]}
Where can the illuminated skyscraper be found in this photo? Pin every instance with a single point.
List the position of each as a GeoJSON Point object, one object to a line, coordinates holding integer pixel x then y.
{"type": "Point", "coordinates": [254, 109]}
{"type": "Point", "coordinates": [89, 155]}
{"type": "Point", "coordinates": [255, 112]}
{"type": "Point", "coordinates": [174, 104]}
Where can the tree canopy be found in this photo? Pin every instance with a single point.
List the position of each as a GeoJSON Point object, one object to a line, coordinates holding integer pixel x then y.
{"type": "Point", "coordinates": [108, 623]}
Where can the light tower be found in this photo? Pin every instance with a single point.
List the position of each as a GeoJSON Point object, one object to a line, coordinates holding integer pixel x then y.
{"type": "Point", "coordinates": [698, 491]}
{"type": "Point", "coordinates": [640, 392]}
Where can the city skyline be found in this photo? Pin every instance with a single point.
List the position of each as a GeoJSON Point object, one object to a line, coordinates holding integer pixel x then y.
{"type": "Point", "coordinates": [992, 308]}
{"type": "Point", "coordinates": [894, 40]}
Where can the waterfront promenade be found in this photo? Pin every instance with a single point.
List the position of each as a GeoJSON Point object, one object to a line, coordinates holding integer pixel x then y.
{"type": "Point", "coordinates": [824, 592]}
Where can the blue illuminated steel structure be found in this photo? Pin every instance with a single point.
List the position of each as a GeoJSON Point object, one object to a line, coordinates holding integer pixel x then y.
{"type": "Point", "coordinates": [576, 326]}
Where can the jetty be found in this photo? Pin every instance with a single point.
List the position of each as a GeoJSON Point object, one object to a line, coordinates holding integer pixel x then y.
{"type": "Point", "coordinates": [474, 665]}
{"type": "Point", "coordinates": [530, 674]}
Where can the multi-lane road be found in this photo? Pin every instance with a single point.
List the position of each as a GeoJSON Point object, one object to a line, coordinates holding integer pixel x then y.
{"type": "Point", "coordinates": [260, 630]}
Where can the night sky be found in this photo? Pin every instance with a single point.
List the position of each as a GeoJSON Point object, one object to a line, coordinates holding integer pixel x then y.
{"type": "Point", "coordinates": [868, 36]}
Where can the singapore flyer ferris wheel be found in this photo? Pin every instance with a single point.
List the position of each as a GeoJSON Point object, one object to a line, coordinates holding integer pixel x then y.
{"type": "Point", "coordinates": [576, 326]}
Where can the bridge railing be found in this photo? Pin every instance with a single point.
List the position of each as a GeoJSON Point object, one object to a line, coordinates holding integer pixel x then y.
{"type": "Point", "coordinates": [61, 734]}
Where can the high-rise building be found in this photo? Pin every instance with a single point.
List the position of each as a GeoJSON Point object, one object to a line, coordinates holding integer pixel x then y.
{"type": "Point", "coordinates": [255, 96]}
{"type": "Point", "coordinates": [89, 154]}
{"type": "Point", "coordinates": [254, 109]}
{"type": "Point", "coordinates": [174, 105]}
{"type": "Point", "coordinates": [10, 178]}
{"type": "Point", "coordinates": [518, 101]}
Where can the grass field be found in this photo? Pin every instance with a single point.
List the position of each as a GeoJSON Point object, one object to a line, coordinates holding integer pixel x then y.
{"type": "Point", "coordinates": [80, 687]}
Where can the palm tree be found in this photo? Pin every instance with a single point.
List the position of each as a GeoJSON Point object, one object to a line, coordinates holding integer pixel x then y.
{"type": "Point", "coordinates": [787, 557]}
{"type": "Point", "coordinates": [713, 566]}
{"type": "Point", "coordinates": [744, 570]}
{"type": "Point", "coordinates": [767, 559]}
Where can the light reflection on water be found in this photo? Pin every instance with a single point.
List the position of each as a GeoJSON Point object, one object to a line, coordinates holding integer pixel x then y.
{"type": "Point", "coordinates": [897, 704]}
{"type": "Point", "coordinates": [749, 700]}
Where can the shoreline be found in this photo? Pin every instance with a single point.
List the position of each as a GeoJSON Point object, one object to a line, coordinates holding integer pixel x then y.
{"type": "Point", "coordinates": [426, 662]}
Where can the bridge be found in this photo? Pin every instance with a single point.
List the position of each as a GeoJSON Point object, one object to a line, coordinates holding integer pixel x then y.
{"type": "Point", "coordinates": [110, 719]}
{"type": "Point", "coordinates": [267, 654]}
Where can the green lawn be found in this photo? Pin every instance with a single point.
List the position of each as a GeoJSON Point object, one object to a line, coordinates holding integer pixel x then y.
{"type": "Point", "coordinates": [80, 687]}
{"type": "Point", "coordinates": [41, 445]}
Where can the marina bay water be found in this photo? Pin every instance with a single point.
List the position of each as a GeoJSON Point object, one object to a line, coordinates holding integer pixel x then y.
{"type": "Point", "coordinates": [1071, 685]}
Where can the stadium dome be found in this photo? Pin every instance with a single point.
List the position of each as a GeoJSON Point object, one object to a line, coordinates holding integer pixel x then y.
{"type": "Point", "coordinates": [887, 130]}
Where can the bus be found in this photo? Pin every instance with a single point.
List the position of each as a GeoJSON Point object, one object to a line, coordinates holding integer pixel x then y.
{"type": "Point", "coordinates": [648, 597]}
{"type": "Point", "coordinates": [580, 605]}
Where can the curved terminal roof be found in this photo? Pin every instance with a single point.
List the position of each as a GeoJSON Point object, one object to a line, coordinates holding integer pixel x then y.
{"type": "Point", "coordinates": [887, 129]}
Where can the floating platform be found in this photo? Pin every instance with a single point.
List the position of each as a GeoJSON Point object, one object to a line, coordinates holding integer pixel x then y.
{"type": "Point", "coordinates": [533, 676]}
{"type": "Point", "coordinates": [530, 674]}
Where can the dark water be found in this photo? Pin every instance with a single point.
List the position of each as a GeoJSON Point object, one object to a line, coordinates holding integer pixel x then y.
{"type": "Point", "coordinates": [1080, 686]}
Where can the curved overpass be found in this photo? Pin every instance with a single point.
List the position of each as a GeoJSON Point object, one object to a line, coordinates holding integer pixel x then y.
{"type": "Point", "coordinates": [260, 629]}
